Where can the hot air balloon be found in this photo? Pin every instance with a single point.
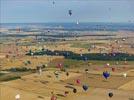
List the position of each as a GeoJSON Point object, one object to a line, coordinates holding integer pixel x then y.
{"type": "Point", "coordinates": [86, 70]}
{"type": "Point", "coordinates": [85, 87]}
{"type": "Point", "coordinates": [107, 64]}
{"type": "Point", "coordinates": [110, 94]}
{"type": "Point", "coordinates": [17, 97]}
{"type": "Point", "coordinates": [78, 81]}
{"type": "Point", "coordinates": [53, 2]}
{"type": "Point", "coordinates": [59, 65]}
{"type": "Point", "coordinates": [75, 90]}
{"type": "Point", "coordinates": [67, 73]}
{"type": "Point", "coordinates": [65, 93]}
{"type": "Point", "coordinates": [77, 22]}
{"type": "Point", "coordinates": [125, 75]}
{"type": "Point", "coordinates": [70, 12]}
{"type": "Point", "coordinates": [113, 69]}
{"type": "Point", "coordinates": [106, 74]}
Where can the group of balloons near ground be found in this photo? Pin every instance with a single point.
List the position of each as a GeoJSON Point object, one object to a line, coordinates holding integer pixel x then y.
{"type": "Point", "coordinates": [85, 87]}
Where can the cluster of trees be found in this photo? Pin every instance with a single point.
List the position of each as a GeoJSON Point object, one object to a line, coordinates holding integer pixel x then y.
{"type": "Point", "coordinates": [87, 56]}
{"type": "Point", "coordinates": [19, 69]}
{"type": "Point", "coordinates": [11, 78]}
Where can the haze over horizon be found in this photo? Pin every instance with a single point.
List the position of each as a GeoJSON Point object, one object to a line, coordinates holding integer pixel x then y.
{"type": "Point", "coordinates": [33, 11]}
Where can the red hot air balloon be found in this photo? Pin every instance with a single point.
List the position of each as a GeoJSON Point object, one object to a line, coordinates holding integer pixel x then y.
{"type": "Point", "coordinates": [78, 81]}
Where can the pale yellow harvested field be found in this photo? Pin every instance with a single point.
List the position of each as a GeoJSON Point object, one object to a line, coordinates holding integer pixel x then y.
{"type": "Point", "coordinates": [101, 94]}
{"type": "Point", "coordinates": [32, 86]}
{"type": "Point", "coordinates": [128, 86]}
{"type": "Point", "coordinates": [9, 93]}
{"type": "Point", "coordinates": [39, 87]}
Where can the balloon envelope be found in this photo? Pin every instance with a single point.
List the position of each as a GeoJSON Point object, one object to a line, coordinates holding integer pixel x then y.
{"type": "Point", "coordinates": [110, 94]}
{"type": "Point", "coordinates": [59, 65]}
{"type": "Point", "coordinates": [78, 81]}
{"type": "Point", "coordinates": [85, 87]}
{"type": "Point", "coordinates": [70, 12]}
{"type": "Point", "coordinates": [86, 70]}
{"type": "Point", "coordinates": [113, 69]}
{"type": "Point", "coordinates": [106, 74]}
{"type": "Point", "coordinates": [17, 97]}
{"type": "Point", "coordinates": [74, 90]}
{"type": "Point", "coordinates": [125, 74]}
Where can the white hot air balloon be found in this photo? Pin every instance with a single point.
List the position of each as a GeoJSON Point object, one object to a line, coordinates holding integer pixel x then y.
{"type": "Point", "coordinates": [40, 71]}
{"type": "Point", "coordinates": [107, 64]}
{"type": "Point", "coordinates": [125, 75]}
{"type": "Point", "coordinates": [77, 22]}
{"type": "Point", "coordinates": [17, 97]}
{"type": "Point", "coordinates": [46, 65]}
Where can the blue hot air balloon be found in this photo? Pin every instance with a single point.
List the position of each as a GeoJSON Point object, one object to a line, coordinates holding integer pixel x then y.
{"type": "Point", "coordinates": [70, 12]}
{"type": "Point", "coordinates": [85, 87]}
{"type": "Point", "coordinates": [106, 74]}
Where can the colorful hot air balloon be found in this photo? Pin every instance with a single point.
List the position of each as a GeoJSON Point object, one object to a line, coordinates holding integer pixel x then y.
{"type": "Point", "coordinates": [59, 65]}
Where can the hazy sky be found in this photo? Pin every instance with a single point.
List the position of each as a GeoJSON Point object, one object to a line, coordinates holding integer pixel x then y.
{"type": "Point", "coordinates": [25, 11]}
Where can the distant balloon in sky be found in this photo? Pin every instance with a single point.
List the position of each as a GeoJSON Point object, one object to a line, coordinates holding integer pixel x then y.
{"type": "Point", "coordinates": [109, 9]}
{"type": "Point", "coordinates": [77, 22]}
{"type": "Point", "coordinates": [70, 12]}
{"type": "Point", "coordinates": [53, 2]}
